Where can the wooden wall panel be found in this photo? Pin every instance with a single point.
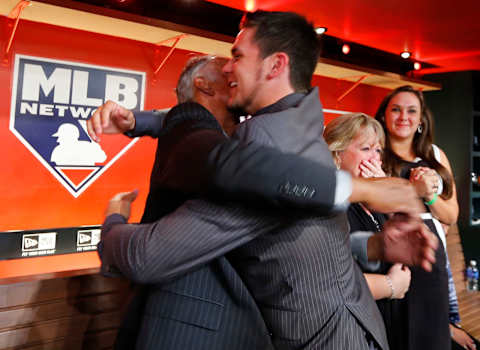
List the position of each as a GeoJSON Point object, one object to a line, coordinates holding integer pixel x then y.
{"type": "Point", "coordinates": [101, 340]}
{"type": "Point", "coordinates": [70, 313]}
{"type": "Point", "coordinates": [469, 302]}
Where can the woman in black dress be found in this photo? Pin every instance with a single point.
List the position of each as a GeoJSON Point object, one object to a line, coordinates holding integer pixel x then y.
{"type": "Point", "coordinates": [410, 153]}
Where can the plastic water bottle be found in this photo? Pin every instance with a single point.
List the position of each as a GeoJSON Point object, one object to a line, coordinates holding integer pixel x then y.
{"type": "Point", "coordinates": [472, 276]}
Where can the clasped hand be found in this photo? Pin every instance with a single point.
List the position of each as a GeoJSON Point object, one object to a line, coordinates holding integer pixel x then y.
{"type": "Point", "coordinates": [425, 181]}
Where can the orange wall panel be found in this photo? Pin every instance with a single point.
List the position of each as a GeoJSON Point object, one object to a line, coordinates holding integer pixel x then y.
{"type": "Point", "coordinates": [32, 197]}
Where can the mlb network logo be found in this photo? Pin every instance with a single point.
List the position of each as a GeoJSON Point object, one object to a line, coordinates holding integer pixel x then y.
{"type": "Point", "coordinates": [51, 102]}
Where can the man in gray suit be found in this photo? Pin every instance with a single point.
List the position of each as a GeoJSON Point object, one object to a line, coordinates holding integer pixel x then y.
{"type": "Point", "coordinates": [298, 268]}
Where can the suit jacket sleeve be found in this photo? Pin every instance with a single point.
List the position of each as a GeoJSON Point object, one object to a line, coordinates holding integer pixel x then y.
{"type": "Point", "coordinates": [228, 169]}
{"type": "Point", "coordinates": [193, 235]}
{"type": "Point", "coordinates": [263, 175]}
{"type": "Point", "coordinates": [148, 123]}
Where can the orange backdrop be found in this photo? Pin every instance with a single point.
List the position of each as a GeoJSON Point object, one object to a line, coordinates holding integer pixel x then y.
{"type": "Point", "coordinates": [31, 197]}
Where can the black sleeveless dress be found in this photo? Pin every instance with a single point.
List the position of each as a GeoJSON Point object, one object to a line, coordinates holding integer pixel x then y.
{"type": "Point", "coordinates": [427, 299]}
{"type": "Point", "coordinates": [420, 320]}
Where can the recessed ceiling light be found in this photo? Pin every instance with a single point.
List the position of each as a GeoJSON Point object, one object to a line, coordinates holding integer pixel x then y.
{"type": "Point", "coordinates": [320, 30]}
{"type": "Point", "coordinates": [250, 5]}
{"type": "Point", "coordinates": [405, 54]}
{"type": "Point", "coordinates": [417, 65]}
{"type": "Point", "coordinates": [345, 49]}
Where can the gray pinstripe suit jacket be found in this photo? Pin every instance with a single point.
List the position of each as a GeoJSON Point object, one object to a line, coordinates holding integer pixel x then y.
{"type": "Point", "coordinates": [208, 308]}
{"type": "Point", "coordinates": [299, 269]}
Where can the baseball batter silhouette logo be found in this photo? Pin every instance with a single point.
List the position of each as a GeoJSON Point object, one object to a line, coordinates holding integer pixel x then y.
{"type": "Point", "coordinates": [51, 102]}
{"type": "Point", "coordinates": [72, 151]}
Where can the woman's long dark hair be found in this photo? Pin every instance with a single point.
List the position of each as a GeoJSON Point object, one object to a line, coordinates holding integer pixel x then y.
{"type": "Point", "coordinates": [422, 142]}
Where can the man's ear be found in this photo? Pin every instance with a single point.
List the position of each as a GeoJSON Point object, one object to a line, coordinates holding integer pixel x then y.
{"type": "Point", "coordinates": [278, 64]}
{"type": "Point", "coordinates": [204, 85]}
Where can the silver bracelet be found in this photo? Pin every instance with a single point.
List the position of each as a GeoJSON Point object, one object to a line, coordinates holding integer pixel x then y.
{"type": "Point", "coordinates": [389, 282]}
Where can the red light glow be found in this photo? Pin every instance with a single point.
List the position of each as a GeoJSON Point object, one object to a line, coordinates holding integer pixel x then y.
{"type": "Point", "coordinates": [123, 2]}
{"type": "Point", "coordinates": [250, 5]}
{"type": "Point", "coordinates": [345, 49]}
{"type": "Point", "coordinates": [417, 66]}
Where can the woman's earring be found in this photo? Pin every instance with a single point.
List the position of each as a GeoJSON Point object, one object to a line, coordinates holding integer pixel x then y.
{"type": "Point", "coordinates": [337, 161]}
{"type": "Point", "coordinates": [420, 128]}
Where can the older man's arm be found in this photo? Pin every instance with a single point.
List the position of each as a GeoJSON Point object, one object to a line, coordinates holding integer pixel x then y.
{"type": "Point", "coordinates": [192, 236]}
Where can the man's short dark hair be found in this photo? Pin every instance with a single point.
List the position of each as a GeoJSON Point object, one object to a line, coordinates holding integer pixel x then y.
{"type": "Point", "coordinates": [290, 33]}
